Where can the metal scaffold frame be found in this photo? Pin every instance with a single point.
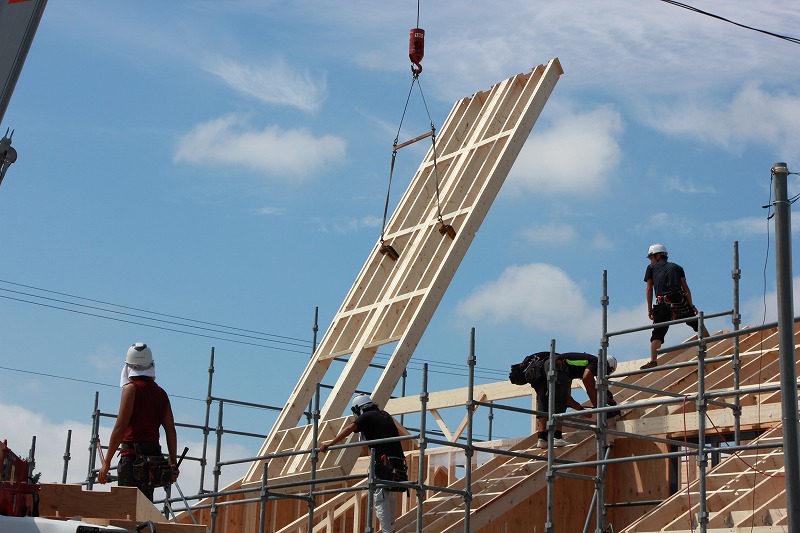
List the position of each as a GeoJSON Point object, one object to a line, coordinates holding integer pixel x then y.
{"type": "Point", "coordinates": [556, 467]}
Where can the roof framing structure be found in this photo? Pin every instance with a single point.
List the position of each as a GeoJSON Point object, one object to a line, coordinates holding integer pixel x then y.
{"type": "Point", "coordinates": [393, 300]}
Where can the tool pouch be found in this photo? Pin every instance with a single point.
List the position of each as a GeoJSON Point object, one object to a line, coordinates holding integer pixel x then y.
{"type": "Point", "coordinates": [392, 469]}
{"type": "Point", "coordinates": [152, 470]}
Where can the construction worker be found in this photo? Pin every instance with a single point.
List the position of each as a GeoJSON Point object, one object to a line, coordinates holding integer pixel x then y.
{"type": "Point", "coordinates": [143, 408]}
{"type": "Point", "coordinates": [673, 299]}
{"type": "Point", "coordinates": [533, 370]}
{"type": "Point", "coordinates": [390, 463]}
{"type": "Point", "coordinates": [583, 366]}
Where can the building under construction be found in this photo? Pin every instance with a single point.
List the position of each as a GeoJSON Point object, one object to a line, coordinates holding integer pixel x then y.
{"type": "Point", "coordinates": [699, 445]}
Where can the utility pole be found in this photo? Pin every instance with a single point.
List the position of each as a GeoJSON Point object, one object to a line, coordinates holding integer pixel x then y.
{"type": "Point", "coordinates": [783, 267]}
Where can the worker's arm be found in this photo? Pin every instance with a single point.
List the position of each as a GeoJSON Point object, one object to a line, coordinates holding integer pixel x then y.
{"type": "Point", "coordinates": [123, 419]}
{"type": "Point", "coordinates": [172, 441]}
{"type": "Point", "coordinates": [687, 292]}
{"type": "Point", "coordinates": [343, 434]}
{"type": "Point", "coordinates": [649, 297]}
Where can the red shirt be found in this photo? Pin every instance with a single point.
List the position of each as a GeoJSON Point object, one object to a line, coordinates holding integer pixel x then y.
{"type": "Point", "coordinates": [149, 408]}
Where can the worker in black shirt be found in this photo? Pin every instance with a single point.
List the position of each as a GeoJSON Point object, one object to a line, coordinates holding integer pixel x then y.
{"type": "Point", "coordinates": [373, 424]}
{"type": "Point", "coordinates": [673, 299]}
{"type": "Point", "coordinates": [583, 366]}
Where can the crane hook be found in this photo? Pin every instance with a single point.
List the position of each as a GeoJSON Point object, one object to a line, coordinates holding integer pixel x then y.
{"type": "Point", "coordinates": [416, 49]}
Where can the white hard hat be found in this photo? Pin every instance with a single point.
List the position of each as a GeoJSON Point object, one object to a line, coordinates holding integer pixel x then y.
{"type": "Point", "coordinates": [656, 249]}
{"type": "Point", "coordinates": [611, 364]}
{"type": "Point", "coordinates": [139, 356]}
{"type": "Point", "coordinates": [361, 402]}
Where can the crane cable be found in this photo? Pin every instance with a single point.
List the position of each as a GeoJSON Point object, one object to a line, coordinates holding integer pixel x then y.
{"type": "Point", "coordinates": [416, 52]}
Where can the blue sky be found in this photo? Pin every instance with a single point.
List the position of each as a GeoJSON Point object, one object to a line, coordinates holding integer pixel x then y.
{"type": "Point", "coordinates": [227, 162]}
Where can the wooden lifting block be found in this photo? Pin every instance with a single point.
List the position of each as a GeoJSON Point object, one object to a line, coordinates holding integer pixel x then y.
{"type": "Point", "coordinates": [387, 250]}
{"type": "Point", "coordinates": [447, 229]}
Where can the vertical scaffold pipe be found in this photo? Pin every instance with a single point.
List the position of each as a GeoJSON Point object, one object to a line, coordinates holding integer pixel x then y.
{"type": "Point", "coordinates": [314, 459]}
{"type": "Point", "coordinates": [204, 456]}
{"type": "Point", "coordinates": [95, 442]}
{"type": "Point", "coordinates": [371, 485]}
{"type": "Point", "coordinates": [217, 471]}
{"type": "Point", "coordinates": [702, 407]}
{"type": "Point", "coordinates": [314, 330]}
{"type": "Point", "coordinates": [736, 319]}
{"type": "Point", "coordinates": [468, 453]}
{"type": "Point", "coordinates": [600, 486]}
{"type": "Point", "coordinates": [264, 495]}
{"type": "Point", "coordinates": [423, 443]}
{"type": "Point", "coordinates": [551, 406]}
{"type": "Point", "coordinates": [66, 457]}
{"type": "Point", "coordinates": [786, 346]}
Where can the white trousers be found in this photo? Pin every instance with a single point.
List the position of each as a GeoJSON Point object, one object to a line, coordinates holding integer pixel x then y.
{"type": "Point", "coordinates": [385, 506]}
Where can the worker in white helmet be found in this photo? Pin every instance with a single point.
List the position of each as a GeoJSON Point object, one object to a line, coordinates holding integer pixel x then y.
{"type": "Point", "coordinates": [390, 463]}
{"type": "Point", "coordinates": [144, 408]}
{"type": "Point", "coordinates": [668, 298]}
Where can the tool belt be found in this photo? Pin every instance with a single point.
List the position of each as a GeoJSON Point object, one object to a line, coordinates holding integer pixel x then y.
{"type": "Point", "coordinates": [149, 469]}
{"type": "Point", "coordinates": [678, 304]}
{"type": "Point", "coordinates": [392, 469]}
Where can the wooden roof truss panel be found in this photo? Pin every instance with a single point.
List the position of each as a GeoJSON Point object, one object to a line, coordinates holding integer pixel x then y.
{"type": "Point", "coordinates": [735, 494]}
{"type": "Point", "coordinates": [393, 301]}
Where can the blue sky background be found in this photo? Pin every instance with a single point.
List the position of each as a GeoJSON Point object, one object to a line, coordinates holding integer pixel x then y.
{"type": "Point", "coordinates": [227, 162]}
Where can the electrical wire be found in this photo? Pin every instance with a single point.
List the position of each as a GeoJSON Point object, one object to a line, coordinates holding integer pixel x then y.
{"type": "Point", "coordinates": [184, 325]}
{"type": "Point", "coordinates": [794, 40]}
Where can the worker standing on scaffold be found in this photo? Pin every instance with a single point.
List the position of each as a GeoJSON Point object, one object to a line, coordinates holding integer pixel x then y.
{"type": "Point", "coordinates": [390, 462]}
{"type": "Point", "coordinates": [673, 299]}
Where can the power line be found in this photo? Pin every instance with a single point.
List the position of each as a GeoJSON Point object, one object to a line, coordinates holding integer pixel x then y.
{"type": "Point", "coordinates": [712, 15]}
{"type": "Point", "coordinates": [67, 378]}
{"type": "Point", "coordinates": [230, 336]}
{"type": "Point", "coordinates": [145, 310]}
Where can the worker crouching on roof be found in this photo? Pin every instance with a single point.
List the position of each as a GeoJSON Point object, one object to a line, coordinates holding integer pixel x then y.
{"type": "Point", "coordinates": [533, 370]}
{"type": "Point", "coordinates": [583, 366]}
{"type": "Point", "coordinates": [568, 366]}
{"type": "Point", "coordinates": [143, 408]}
{"type": "Point", "coordinates": [374, 423]}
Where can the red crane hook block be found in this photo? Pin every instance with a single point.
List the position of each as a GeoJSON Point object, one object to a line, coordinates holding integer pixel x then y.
{"type": "Point", "coordinates": [416, 48]}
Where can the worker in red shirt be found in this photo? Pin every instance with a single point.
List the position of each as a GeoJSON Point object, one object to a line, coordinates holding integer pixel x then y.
{"type": "Point", "coordinates": [144, 408]}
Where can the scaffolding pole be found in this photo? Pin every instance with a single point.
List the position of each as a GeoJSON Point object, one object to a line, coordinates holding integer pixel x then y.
{"type": "Point", "coordinates": [203, 457]}
{"type": "Point", "coordinates": [736, 319]}
{"type": "Point", "coordinates": [468, 451]}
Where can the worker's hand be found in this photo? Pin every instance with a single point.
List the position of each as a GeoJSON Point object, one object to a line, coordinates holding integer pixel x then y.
{"type": "Point", "coordinates": [102, 475]}
{"type": "Point", "coordinates": [650, 313]}
{"type": "Point", "coordinates": [175, 473]}
{"type": "Point", "coordinates": [324, 447]}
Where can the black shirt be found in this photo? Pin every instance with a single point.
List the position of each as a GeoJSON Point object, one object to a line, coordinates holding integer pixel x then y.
{"type": "Point", "coordinates": [378, 424]}
{"type": "Point", "coordinates": [666, 277]}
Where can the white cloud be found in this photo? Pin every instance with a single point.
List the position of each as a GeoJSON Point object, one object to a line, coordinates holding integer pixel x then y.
{"type": "Point", "coordinates": [686, 186]}
{"type": "Point", "coordinates": [542, 297]}
{"type": "Point", "coordinates": [348, 225]}
{"type": "Point", "coordinates": [754, 311]}
{"type": "Point", "coordinates": [552, 233]}
{"type": "Point", "coordinates": [276, 83]}
{"type": "Point", "coordinates": [738, 228]}
{"type": "Point", "coordinates": [574, 156]}
{"type": "Point", "coordinates": [266, 211]}
{"type": "Point", "coordinates": [753, 115]}
{"type": "Point", "coordinates": [538, 295]}
{"type": "Point", "coordinates": [282, 153]}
